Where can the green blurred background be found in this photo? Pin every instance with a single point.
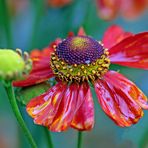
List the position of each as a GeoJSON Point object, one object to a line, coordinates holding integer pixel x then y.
{"type": "Point", "coordinates": [34, 24]}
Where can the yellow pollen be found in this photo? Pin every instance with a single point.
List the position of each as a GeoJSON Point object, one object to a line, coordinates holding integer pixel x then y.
{"type": "Point", "coordinates": [93, 71]}
{"type": "Point", "coordinates": [85, 71]}
{"type": "Point", "coordinates": [57, 66]}
{"type": "Point", "coordinates": [80, 72]}
{"type": "Point", "coordinates": [71, 70]}
{"type": "Point", "coordinates": [62, 63]}
{"type": "Point", "coordinates": [75, 65]}
{"type": "Point", "coordinates": [82, 67]}
{"type": "Point", "coordinates": [99, 68]}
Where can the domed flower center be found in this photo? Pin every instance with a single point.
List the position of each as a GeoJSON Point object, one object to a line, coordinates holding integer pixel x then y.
{"type": "Point", "coordinates": [79, 50]}
{"type": "Point", "coordinates": [79, 59]}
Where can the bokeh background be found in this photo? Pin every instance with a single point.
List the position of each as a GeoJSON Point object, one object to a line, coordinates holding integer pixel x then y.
{"type": "Point", "coordinates": [30, 24]}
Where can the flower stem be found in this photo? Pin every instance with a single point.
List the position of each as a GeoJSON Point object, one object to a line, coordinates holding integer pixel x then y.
{"type": "Point", "coordinates": [13, 103]}
{"type": "Point", "coordinates": [39, 9]}
{"type": "Point", "coordinates": [79, 144]}
{"type": "Point", "coordinates": [48, 137]}
{"type": "Point", "coordinates": [6, 20]}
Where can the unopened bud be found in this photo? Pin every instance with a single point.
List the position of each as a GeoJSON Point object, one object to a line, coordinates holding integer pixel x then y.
{"type": "Point", "coordinates": [12, 64]}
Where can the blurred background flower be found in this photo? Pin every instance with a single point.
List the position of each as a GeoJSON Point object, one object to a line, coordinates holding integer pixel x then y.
{"type": "Point", "coordinates": [129, 9]}
{"type": "Point", "coordinates": [58, 3]}
{"type": "Point", "coordinates": [16, 6]}
{"type": "Point", "coordinates": [35, 26]}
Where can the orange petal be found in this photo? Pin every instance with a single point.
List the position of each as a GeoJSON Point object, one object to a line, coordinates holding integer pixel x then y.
{"type": "Point", "coordinates": [131, 52]}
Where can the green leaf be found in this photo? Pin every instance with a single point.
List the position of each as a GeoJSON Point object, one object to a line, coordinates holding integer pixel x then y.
{"type": "Point", "coordinates": [24, 95]}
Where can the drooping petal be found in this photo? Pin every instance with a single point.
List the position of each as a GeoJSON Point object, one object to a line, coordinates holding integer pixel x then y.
{"type": "Point", "coordinates": [44, 108]}
{"type": "Point", "coordinates": [74, 97]}
{"type": "Point", "coordinates": [84, 117]}
{"type": "Point", "coordinates": [120, 100]}
{"type": "Point", "coordinates": [131, 52]}
{"type": "Point", "coordinates": [66, 109]}
{"type": "Point", "coordinates": [128, 87]}
{"type": "Point", "coordinates": [114, 35]}
{"type": "Point", "coordinates": [57, 107]}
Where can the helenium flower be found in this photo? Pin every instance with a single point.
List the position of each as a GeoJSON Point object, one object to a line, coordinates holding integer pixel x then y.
{"type": "Point", "coordinates": [76, 62]}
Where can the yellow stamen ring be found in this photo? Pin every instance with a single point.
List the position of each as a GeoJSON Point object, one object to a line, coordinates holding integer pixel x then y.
{"type": "Point", "coordinates": [80, 72]}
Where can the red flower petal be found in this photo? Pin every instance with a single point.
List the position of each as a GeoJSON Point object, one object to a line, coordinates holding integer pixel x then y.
{"type": "Point", "coordinates": [126, 85]}
{"type": "Point", "coordinates": [114, 35]}
{"type": "Point", "coordinates": [81, 32]}
{"type": "Point", "coordinates": [71, 34]}
{"type": "Point", "coordinates": [66, 109]}
{"type": "Point", "coordinates": [41, 70]}
{"type": "Point", "coordinates": [131, 52]}
{"type": "Point", "coordinates": [84, 117]}
{"type": "Point", "coordinates": [35, 78]}
{"type": "Point", "coordinates": [57, 107]}
{"type": "Point", "coordinates": [56, 42]}
{"type": "Point", "coordinates": [120, 99]}
{"type": "Point", "coordinates": [71, 102]}
{"type": "Point", "coordinates": [43, 108]}
{"type": "Point", "coordinates": [36, 54]}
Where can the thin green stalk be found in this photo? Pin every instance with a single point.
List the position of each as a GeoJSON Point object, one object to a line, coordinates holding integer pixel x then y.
{"type": "Point", "coordinates": [16, 111]}
{"type": "Point", "coordinates": [5, 18]}
{"type": "Point", "coordinates": [48, 137]}
{"type": "Point", "coordinates": [79, 144]}
{"type": "Point", "coordinates": [39, 8]}
{"type": "Point", "coordinates": [144, 140]}
{"type": "Point", "coordinates": [87, 14]}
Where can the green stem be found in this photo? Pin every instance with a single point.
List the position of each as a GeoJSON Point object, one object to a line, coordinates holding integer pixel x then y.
{"type": "Point", "coordinates": [13, 103]}
{"type": "Point", "coordinates": [5, 18]}
{"type": "Point", "coordinates": [39, 6]}
{"type": "Point", "coordinates": [48, 137]}
{"type": "Point", "coordinates": [79, 144]}
{"type": "Point", "coordinates": [144, 140]}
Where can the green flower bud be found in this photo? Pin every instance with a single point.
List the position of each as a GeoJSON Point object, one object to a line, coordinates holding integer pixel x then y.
{"type": "Point", "coordinates": [12, 64]}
